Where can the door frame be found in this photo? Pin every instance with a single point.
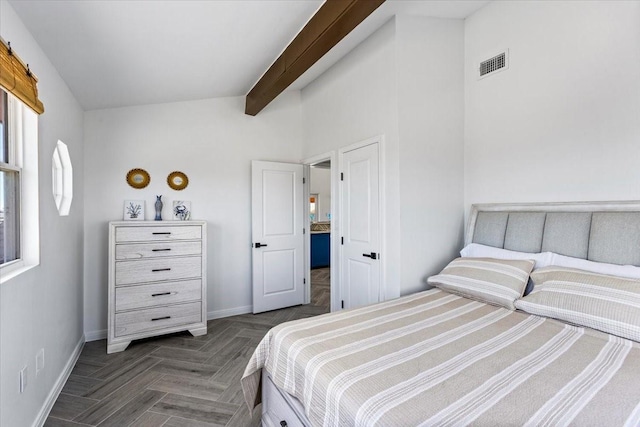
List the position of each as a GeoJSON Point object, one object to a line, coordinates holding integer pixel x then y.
{"type": "Point", "coordinates": [380, 140]}
{"type": "Point", "coordinates": [334, 241]}
{"type": "Point", "coordinates": [336, 158]}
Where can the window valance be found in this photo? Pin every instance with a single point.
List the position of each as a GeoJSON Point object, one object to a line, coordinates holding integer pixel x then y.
{"type": "Point", "coordinates": [17, 79]}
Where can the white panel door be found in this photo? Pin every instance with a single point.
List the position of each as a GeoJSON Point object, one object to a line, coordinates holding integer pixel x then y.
{"type": "Point", "coordinates": [360, 258]}
{"type": "Point", "coordinates": [278, 243]}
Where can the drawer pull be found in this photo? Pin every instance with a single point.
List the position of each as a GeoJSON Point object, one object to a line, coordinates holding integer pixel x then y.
{"type": "Point", "coordinates": [161, 318]}
{"type": "Point", "coordinates": [160, 269]}
{"type": "Point", "coordinates": [163, 293]}
{"type": "Point", "coordinates": [160, 250]}
{"type": "Point", "coordinates": [283, 423]}
{"type": "Point", "coordinates": [161, 232]}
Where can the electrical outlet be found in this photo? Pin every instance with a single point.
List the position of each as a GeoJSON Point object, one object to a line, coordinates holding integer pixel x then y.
{"type": "Point", "coordinates": [23, 379]}
{"type": "Point", "coordinates": [39, 361]}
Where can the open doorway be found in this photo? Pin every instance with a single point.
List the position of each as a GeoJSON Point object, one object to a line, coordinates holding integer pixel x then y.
{"type": "Point", "coordinates": [320, 233]}
{"type": "Point", "coordinates": [321, 209]}
{"type": "Point", "coordinates": [354, 220]}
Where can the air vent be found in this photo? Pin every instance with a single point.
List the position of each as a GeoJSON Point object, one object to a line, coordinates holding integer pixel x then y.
{"type": "Point", "coordinates": [494, 64]}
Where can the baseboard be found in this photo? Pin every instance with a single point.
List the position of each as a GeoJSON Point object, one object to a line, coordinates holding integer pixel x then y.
{"type": "Point", "coordinates": [218, 314]}
{"type": "Point", "coordinates": [96, 335]}
{"type": "Point", "coordinates": [60, 382]}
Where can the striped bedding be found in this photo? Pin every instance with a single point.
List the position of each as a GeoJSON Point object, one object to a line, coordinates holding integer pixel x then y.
{"type": "Point", "coordinates": [436, 358]}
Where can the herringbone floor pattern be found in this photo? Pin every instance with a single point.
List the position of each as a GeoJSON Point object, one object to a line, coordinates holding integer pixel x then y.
{"type": "Point", "coordinates": [321, 287]}
{"type": "Point", "coordinates": [175, 380]}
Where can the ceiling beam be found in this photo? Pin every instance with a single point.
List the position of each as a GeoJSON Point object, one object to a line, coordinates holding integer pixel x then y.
{"type": "Point", "coordinates": [331, 23]}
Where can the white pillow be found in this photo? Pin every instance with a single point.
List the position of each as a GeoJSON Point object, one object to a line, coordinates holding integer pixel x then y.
{"type": "Point", "coordinates": [476, 250]}
{"type": "Point", "coordinates": [628, 271]}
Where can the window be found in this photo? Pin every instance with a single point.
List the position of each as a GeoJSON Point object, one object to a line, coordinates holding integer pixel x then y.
{"type": "Point", "coordinates": [313, 207]}
{"type": "Point", "coordinates": [9, 187]}
{"type": "Point", "coordinates": [19, 206]}
{"type": "Point", "coordinates": [62, 178]}
{"type": "Point", "coordinates": [19, 227]}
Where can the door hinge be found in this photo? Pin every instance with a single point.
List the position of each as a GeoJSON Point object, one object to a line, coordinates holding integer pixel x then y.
{"type": "Point", "coordinates": [304, 231]}
{"type": "Point", "coordinates": [342, 240]}
{"type": "Point", "coordinates": [342, 303]}
{"type": "Point", "coordinates": [304, 180]}
{"type": "Point", "coordinates": [304, 281]}
{"type": "Point", "coordinates": [341, 176]}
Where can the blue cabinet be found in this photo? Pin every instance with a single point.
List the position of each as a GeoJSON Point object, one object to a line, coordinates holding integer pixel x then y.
{"type": "Point", "coordinates": [320, 250]}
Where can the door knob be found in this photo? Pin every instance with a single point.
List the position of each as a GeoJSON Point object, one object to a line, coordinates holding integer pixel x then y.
{"type": "Point", "coordinates": [259, 245]}
{"type": "Point", "coordinates": [372, 255]}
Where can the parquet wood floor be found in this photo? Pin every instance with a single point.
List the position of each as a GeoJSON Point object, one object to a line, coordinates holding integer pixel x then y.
{"type": "Point", "coordinates": [174, 380]}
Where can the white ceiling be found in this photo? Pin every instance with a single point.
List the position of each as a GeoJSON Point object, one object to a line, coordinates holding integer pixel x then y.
{"type": "Point", "coordinates": [116, 53]}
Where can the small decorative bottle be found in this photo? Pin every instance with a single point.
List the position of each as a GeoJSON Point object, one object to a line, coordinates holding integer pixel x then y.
{"type": "Point", "coordinates": [158, 208]}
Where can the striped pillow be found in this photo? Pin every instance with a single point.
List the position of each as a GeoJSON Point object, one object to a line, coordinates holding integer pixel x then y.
{"type": "Point", "coordinates": [608, 303]}
{"type": "Point", "coordinates": [496, 281]}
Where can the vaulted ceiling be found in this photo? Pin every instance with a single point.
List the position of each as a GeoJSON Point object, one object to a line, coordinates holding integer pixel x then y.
{"type": "Point", "coordinates": [116, 53]}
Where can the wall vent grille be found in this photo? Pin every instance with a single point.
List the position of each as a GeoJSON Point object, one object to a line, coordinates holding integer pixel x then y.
{"type": "Point", "coordinates": [491, 65]}
{"type": "Point", "coordinates": [497, 62]}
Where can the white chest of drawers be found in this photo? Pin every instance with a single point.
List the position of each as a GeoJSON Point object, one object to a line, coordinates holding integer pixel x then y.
{"type": "Point", "coordinates": [157, 280]}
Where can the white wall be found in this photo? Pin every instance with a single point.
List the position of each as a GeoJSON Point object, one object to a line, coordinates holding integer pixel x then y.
{"type": "Point", "coordinates": [213, 142]}
{"type": "Point", "coordinates": [404, 82]}
{"type": "Point", "coordinates": [430, 69]}
{"type": "Point", "coordinates": [42, 308]}
{"type": "Point", "coordinates": [320, 184]}
{"type": "Point", "coordinates": [562, 123]}
{"type": "Point", "coordinates": [352, 101]}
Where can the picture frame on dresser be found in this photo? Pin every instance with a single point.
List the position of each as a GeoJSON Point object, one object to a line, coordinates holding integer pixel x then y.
{"type": "Point", "coordinates": [133, 210]}
{"type": "Point", "coordinates": [157, 280]}
{"type": "Point", "coordinates": [181, 210]}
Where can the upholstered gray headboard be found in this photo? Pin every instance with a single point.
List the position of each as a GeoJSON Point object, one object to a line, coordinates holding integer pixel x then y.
{"type": "Point", "coordinates": [597, 231]}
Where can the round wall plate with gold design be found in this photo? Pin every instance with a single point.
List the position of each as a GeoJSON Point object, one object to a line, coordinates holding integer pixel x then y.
{"type": "Point", "coordinates": [138, 178]}
{"type": "Point", "coordinates": [177, 180]}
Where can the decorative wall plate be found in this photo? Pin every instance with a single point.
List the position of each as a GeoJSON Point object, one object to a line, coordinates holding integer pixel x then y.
{"type": "Point", "coordinates": [138, 178]}
{"type": "Point", "coordinates": [177, 180]}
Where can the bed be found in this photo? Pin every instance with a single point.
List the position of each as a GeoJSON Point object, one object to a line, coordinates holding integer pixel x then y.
{"type": "Point", "coordinates": [473, 350]}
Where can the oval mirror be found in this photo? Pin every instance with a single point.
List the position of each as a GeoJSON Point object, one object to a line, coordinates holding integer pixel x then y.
{"type": "Point", "coordinates": [177, 180]}
{"type": "Point", "coordinates": [138, 178]}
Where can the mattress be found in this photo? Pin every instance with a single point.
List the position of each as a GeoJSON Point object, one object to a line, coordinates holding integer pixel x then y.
{"type": "Point", "coordinates": [435, 358]}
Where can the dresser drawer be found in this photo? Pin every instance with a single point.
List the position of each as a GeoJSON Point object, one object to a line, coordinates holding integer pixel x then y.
{"type": "Point", "coordinates": [157, 249]}
{"type": "Point", "coordinates": [149, 234]}
{"type": "Point", "coordinates": [145, 296]}
{"type": "Point", "coordinates": [133, 322]}
{"type": "Point", "coordinates": [155, 270]}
